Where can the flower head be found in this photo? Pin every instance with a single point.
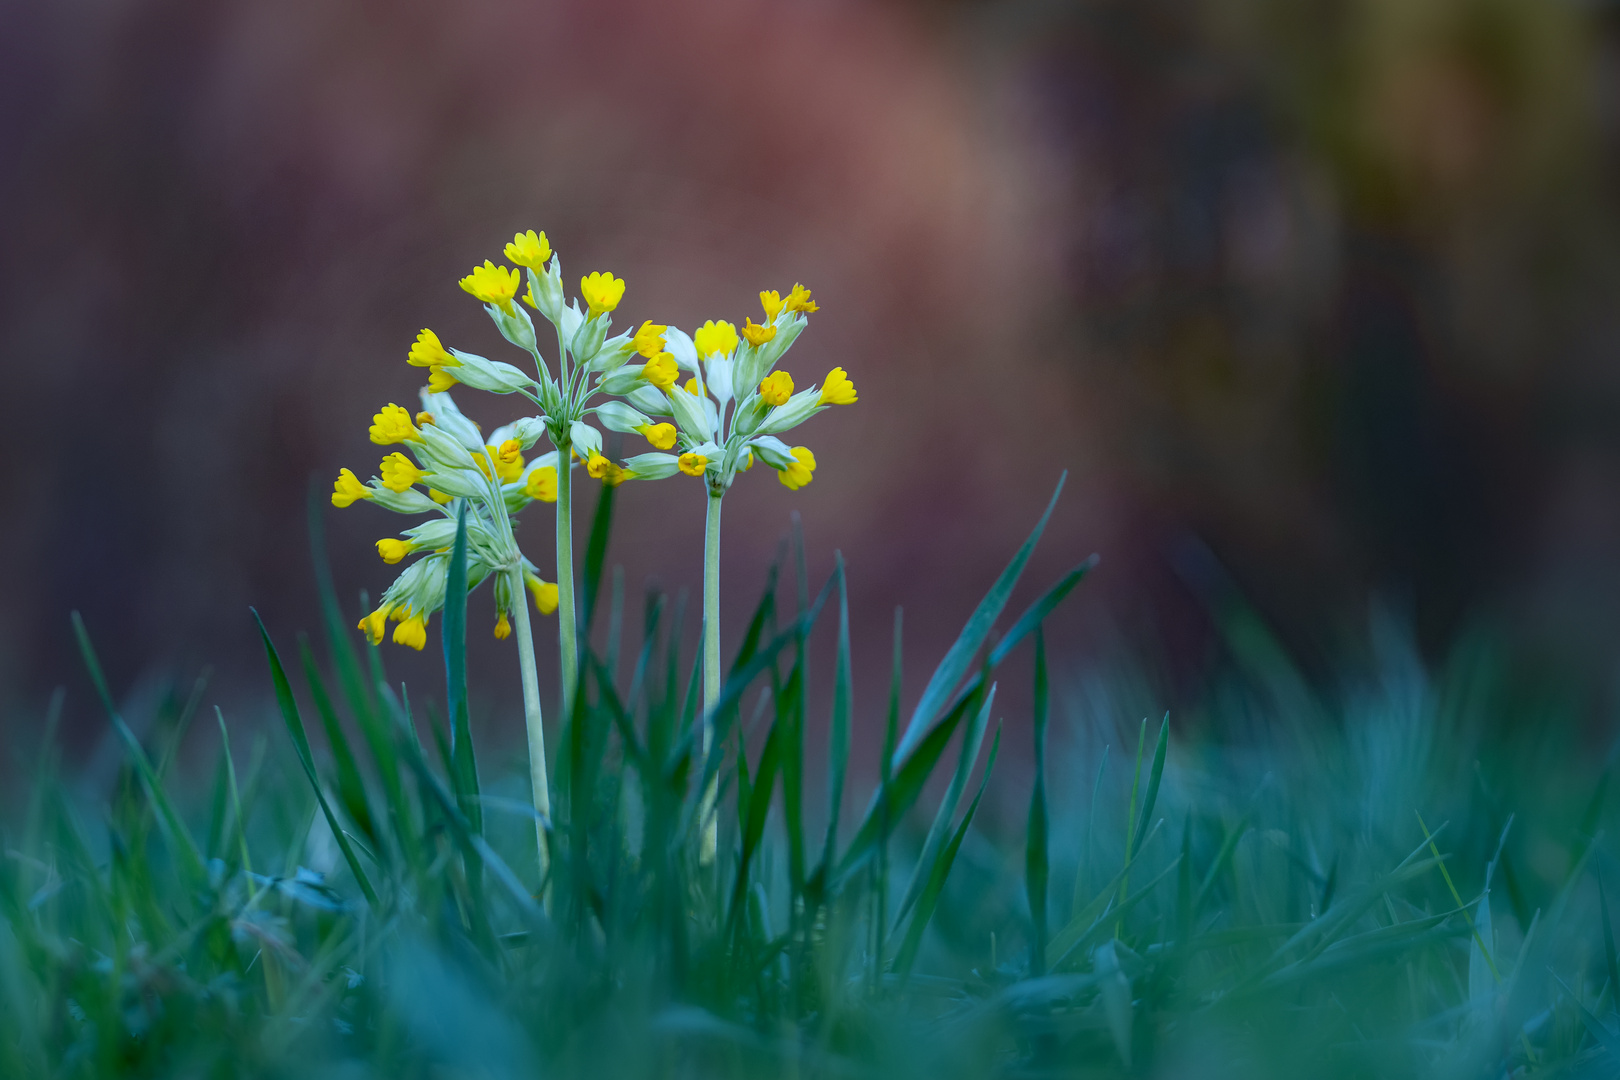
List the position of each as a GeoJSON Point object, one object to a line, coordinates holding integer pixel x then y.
{"type": "Point", "coordinates": [691, 387]}
{"type": "Point", "coordinates": [661, 370]}
{"type": "Point", "coordinates": [837, 390]}
{"type": "Point", "coordinates": [507, 468]}
{"type": "Point", "coordinates": [776, 388]}
{"type": "Point", "coordinates": [758, 335]}
{"type": "Point", "coordinates": [399, 472]}
{"type": "Point", "coordinates": [412, 632]}
{"type": "Point", "coordinates": [438, 496]}
{"type": "Point", "coordinates": [529, 249]}
{"type": "Point", "coordinates": [493, 285]}
{"type": "Point", "coordinates": [428, 352]}
{"type": "Point", "coordinates": [440, 381]}
{"type": "Point", "coordinates": [544, 593]}
{"type": "Point", "coordinates": [597, 466]}
{"type": "Point", "coordinates": [601, 291]}
{"type": "Point", "coordinates": [393, 425]}
{"type": "Point", "coordinates": [771, 301]}
{"type": "Point", "coordinates": [715, 337]}
{"type": "Point", "coordinates": [394, 550]}
{"type": "Point", "coordinates": [348, 488]}
{"type": "Point", "coordinates": [693, 464]}
{"type": "Point", "coordinates": [542, 484]}
{"type": "Point", "coordinates": [661, 436]}
{"type": "Point", "coordinates": [801, 472]}
{"type": "Point", "coordinates": [649, 340]}
{"type": "Point", "coordinates": [503, 628]}
{"type": "Point", "coordinates": [799, 300]}
{"type": "Point", "coordinates": [374, 624]}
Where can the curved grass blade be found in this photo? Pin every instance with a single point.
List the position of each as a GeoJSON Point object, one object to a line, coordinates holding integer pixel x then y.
{"type": "Point", "coordinates": [838, 735]}
{"type": "Point", "coordinates": [463, 760]}
{"type": "Point", "coordinates": [1035, 851]}
{"type": "Point", "coordinates": [295, 728]}
{"type": "Point", "coordinates": [351, 789]}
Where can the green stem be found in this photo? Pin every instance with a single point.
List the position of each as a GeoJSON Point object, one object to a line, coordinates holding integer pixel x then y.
{"type": "Point", "coordinates": [539, 780]}
{"type": "Point", "coordinates": [566, 629]}
{"type": "Point", "coordinates": [711, 663]}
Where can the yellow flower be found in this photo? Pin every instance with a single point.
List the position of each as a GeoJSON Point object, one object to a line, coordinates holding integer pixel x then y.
{"type": "Point", "coordinates": [715, 337]}
{"type": "Point", "coordinates": [544, 593]}
{"type": "Point", "coordinates": [493, 285]}
{"type": "Point", "coordinates": [347, 488]}
{"type": "Point", "coordinates": [837, 390]}
{"type": "Point", "coordinates": [503, 629]}
{"type": "Point", "coordinates": [771, 301]}
{"type": "Point", "coordinates": [601, 291]}
{"type": "Point", "coordinates": [509, 451]}
{"type": "Point", "coordinates": [440, 380]}
{"type": "Point", "coordinates": [693, 388]}
{"type": "Point", "coordinates": [423, 419]}
{"type": "Point", "coordinates": [693, 464]}
{"type": "Point", "coordinates": [529, 249]}
{"type": "Point", "coordinates": [528, 297]}
{"type": "Point", "coordinates": [412, 632]}
{"type": "Point", "coordinates": [374, 624]}
{"type": "Point", "coordinates": [399, 472]}
{"type": "Point", "coordinates": [799, 300]}
{"type": "Point", "coordinates": [438, 496]}
{"type": "Point", "coordinates": [542, 484]}
{"type": "Point", "coordinates": [617, 475]}
{"type": "Point", "coordinates": [776, 388]}
{"type": "Point", "coordinates": [427, 352]}
{"type": "Point", "coordinates": [757, 335]}
{"type": "Point", "coordinates": [393, 425]}
{"type": "Point", "coordinates": [649, 340]}
{"type": "Point", "coordinates": [598, 466]}
{"type": "Point", "coordinates": [801, 472]}
{"type": "Point", "coordinates": [506, 469]}
{"type": "Point", "coordinates": [661, 436]}
{"type": "Point", "coordinates": [661, 370]}
{"type": "Point", "coordinates": [394, 550]}
{"type": "Point", "coordinates": [749, 464]}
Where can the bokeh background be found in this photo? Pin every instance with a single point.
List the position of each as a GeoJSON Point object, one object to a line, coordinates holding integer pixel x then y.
{"type": "Point", "coordinates": [1317, 301]}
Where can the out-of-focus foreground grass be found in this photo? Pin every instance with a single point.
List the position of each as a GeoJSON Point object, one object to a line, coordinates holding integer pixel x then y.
{"type": "Point", "coordinates": [1398, 876]}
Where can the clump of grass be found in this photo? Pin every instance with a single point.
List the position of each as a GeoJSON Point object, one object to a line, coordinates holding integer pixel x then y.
{"type": "Point", "coordinates": [1201, 911]}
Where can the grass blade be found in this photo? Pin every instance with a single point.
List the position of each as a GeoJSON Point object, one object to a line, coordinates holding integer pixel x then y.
{"type": "Point", "coordinates": [838, 735]}
{"type": "Point", "coordinates": [463, 758]}
{"type": "Point", "coordinates": [351, 789]}
{"type": "Point", "coordinates": [1035, 851]}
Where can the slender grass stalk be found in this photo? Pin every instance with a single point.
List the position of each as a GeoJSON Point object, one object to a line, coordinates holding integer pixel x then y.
{"type": "Point", "coordinates": [539, 782]}
{"type": "Point", "coordinates": [567, 640]}
{"type": "Point", "coordinates": [711, 663]}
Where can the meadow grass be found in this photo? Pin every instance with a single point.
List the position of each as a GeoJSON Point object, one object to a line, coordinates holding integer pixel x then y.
{"type": "Point", "coordinates": [1401, 875]}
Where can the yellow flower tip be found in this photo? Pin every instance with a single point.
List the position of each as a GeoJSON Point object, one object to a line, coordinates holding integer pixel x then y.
{"type": "Point", "coordinates": [412, 632]}
{"type": "Point", "coordinates": [749, 463]}
{"type": "Point", "coordinates": [544, 593]}
{"type": "Point", "coordinates": [347, 488]}
{"type": "Point", "coordinates": [661, 370]}
{"type": "Point", "coordinates": [617, 475]}
{"type": "Point", "coordinates": [509, 451]}
{"type": "Point", "coordinates": [423, 419]}
{"type": "Point", "coordinates": [757, 335]}
{"type": "Point", "coordinates": [776, 388]}
{"type": "Point", "coordinates": [661, 436]}
{"type": "Point", "coordinates": [837, 390]}
{"type": "Point", "coordinates": [399, 472]}
{"type": "Point", "coordinates": [801, 472]}
{"type": "Point", "coordinates": [598, 466]}
{"type": "Point", "coordinates": [528, 297]}
{"type": "Point", "coordinates": [649, 340]}
{"type": "Point", "coordinates": [374, 625]}
{"type": "Point", "coordinates": [601, 291]}
{"type": "Point", "coordinates": [799, 300]}
{"type": "Point", "coordinates": [438, 496]}
{"type": "Point", "coordinates": [542, 484]}
{"type": "Point", "coordinates": [394, 550]}
{"type": "Point", "coordinates": [771, 301]}
{"type": "Point", "coordinates": [715, 337]}
{"type": "Point", "coordinates": [493, 285]}
{"type": "Point", "coordinates": [529, 249]}
{"type": "Point", "coordinates": [693, 388]}
{"type": "Point", "coordinates": [428, 352]}
{"type": "Point", "coordinates": [693, 464]}
{"type": "Point", "coordinates": [503, 628]}
{"type": "Point", "coordinates": [393, 425]}
{"type": "Point", "coordinates": [440, 381]}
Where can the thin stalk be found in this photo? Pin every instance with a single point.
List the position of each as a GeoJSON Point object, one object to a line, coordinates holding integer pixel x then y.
{"type": "Point", "coordinates": [711, 664]}
{"type": "Point", "coordinates": [566, 630]}
{"type": "Point", "coordinates": [539, 781]}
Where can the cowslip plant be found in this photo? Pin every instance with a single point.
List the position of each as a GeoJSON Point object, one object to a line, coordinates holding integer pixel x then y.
{"type": "Point", "coordinates": [489, 478]}
{"type": "Point", "coordinates": [729, 411]}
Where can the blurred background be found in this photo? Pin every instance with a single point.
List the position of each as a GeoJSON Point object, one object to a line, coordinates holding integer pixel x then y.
{"type": "Point", "coordinates": [1317, 301]}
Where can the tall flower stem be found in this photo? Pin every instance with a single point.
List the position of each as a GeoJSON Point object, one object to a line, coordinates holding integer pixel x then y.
{"type": "Point", "coordinates": [711, 664]}
{"type": "Point", "coordinates": [566, 628]}
{"type": "Point", "coordinates": [539, 781]}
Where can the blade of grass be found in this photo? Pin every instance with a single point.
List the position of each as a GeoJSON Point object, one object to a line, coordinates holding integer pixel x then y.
{"type": "Point", "coordinates": [1035, 851]}
{"type": "Point", "coordinates": [463, 758]}
{"type": "Point", "coordinates": [838, 735]}
{"type": "Point", "coordinates": [351, 789]}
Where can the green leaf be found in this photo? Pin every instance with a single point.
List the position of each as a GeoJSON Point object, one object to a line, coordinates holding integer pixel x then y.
{"type": "Point", "coordinates": [595, 556]}
{"type": "Point", "coordinates": [1154, 776]}
{"type": "Point", "coordinates": [351, 788]}
{"type": "Point", "coordinates": [838, 734]}
{"type": "Point", "coordinates": [295, 728]}
{"type": "Point", "coordinates": [463, 759]}
{"type": "Point", "coordinates": [960, 656]}
{"type": "Point", "coordinates": [1035, 851]}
